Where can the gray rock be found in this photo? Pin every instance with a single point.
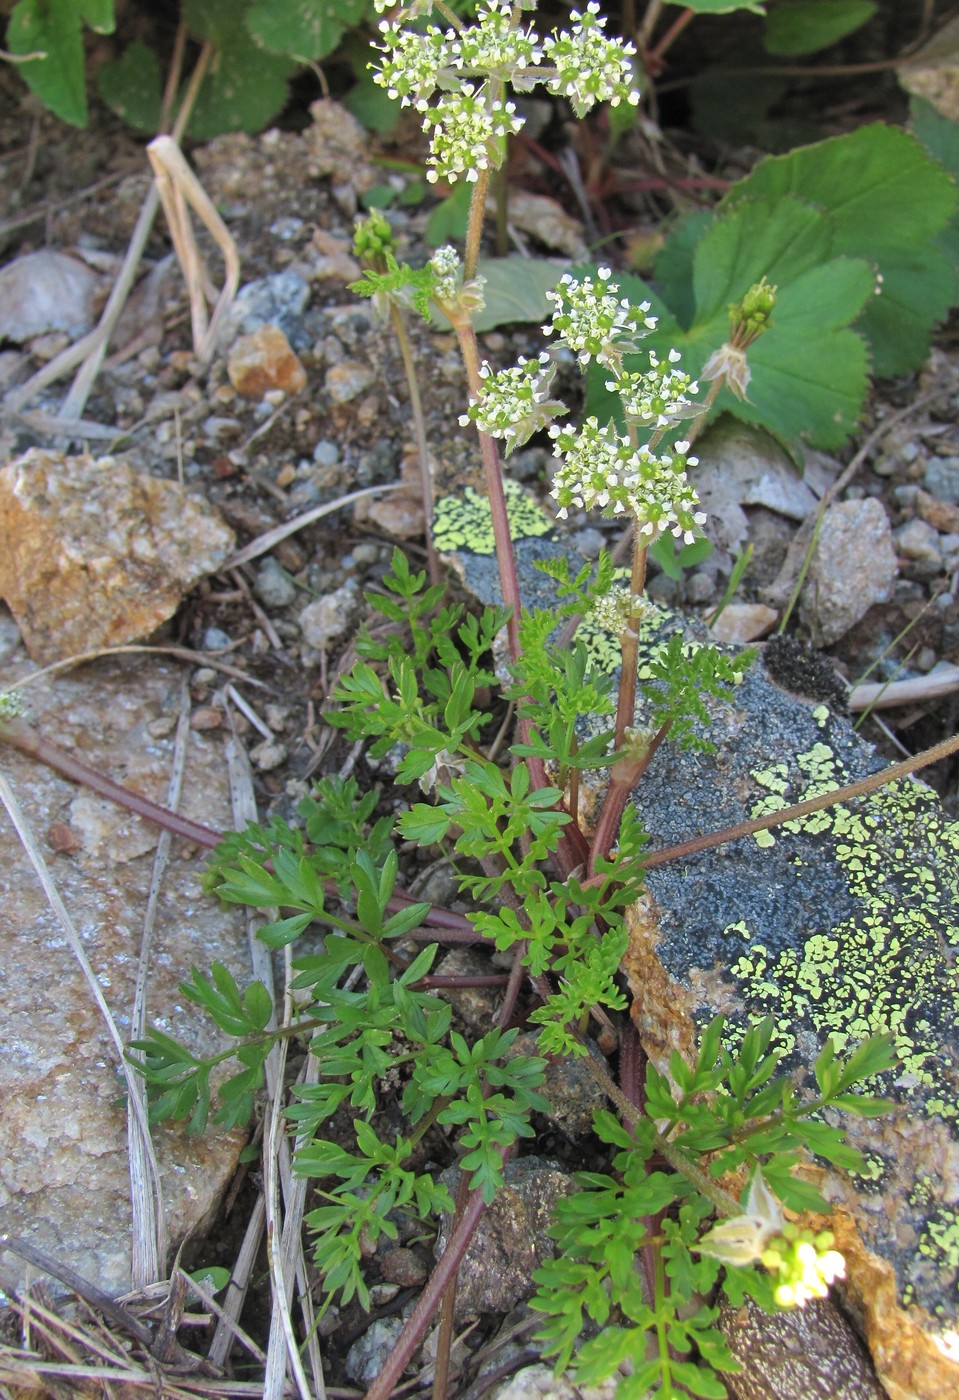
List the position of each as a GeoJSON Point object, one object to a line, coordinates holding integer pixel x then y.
{"type": "Point", "coordinates": [917, 544]}
{"type": "Point", "coordinates": [215, 639]}
{"type": "Point", "coordinates": [368, 1354]}
{"type": "Point", "coordinates": [328, 618]}
{"type": "Point", "coordinates": [279, 300]}
{"type": "Point", "coordinates": [942, 479]}
{"type": "Point", "coordinates": [64, 1181]}
{"type": "Point", "coordinates": [511, 1240]}
{"type": "Point", "coordinates": [539, 1383]}
{"type": "Point", "coordinates": [274, 587]}
{"type": "Point", "coordinates": [46, 291]}
{"type": "Point", "coordinates": [853, 567]}
{"type": "Point", "coordinates": [348, 380]}
{"type": "Point", "coordinates": [808, 1353]}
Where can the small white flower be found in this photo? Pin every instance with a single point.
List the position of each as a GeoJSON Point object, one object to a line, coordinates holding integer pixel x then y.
{"type": "Point", "coordinates": [594, 321]}
{"type": "Point", "coordinates": [589, 67]}
{"type": "Point", "coordinates": [466, 128]}
{"type": "Point", "coordinates": [657, 398]}
{"type": "Point", "coordinates": [515, 402]}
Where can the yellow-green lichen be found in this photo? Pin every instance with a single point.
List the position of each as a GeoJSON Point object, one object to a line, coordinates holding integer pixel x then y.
{"type": "Point", "coordinates": [465, 521]}
{"type": "Point", "coordinates": [883, 968]}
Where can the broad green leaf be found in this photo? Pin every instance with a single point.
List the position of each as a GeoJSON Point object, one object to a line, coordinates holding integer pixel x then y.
{"type": "Point", "coordinates": [674, 265]}
{"type": "Point", "coordinates": [887, 200]}
{"type": "Point", "coordinates": [98, 14]}
{"type": "Point", "coordinates": [810, 382]}
{"type": "Point", "coordinates": [777, 240]}
{"type": "Point", "coordinates": [805, 26]}
{"type": "Point", "coordinates": [306, 30]}
{"type": "Point", "coordinates": [132, 87]}
{"type": "Point", "coordinates": [51, 28]}
{"type": "Point", "coordinates": [809, 371]}
{"type": "Point", "coordinates": [515, 290]}
{"type": "Point", "coordinates": [245, 87]}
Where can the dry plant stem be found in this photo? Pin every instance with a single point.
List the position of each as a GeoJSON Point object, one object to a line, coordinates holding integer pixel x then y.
{"type": "Point", "coordinates": [419, 430]}
{"type": "Point", "coordinates": [119, 1316]}
{"type": "Point", "coordinates": [803, 809]}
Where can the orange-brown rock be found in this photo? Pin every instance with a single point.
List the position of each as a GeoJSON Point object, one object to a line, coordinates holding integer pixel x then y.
{"type": "Point", "coordinates": [264, 360]}
{"type": "Point", "coordinates": [94, 553]}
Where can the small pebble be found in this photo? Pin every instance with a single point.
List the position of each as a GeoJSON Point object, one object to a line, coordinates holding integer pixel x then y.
{"type": "Point", "coordinates": [326, 453]}
{"type": "Point", "coordinates": [268, 755]}
{"type": "Point", "coordinates": [926, 659]}
{"type": "Point", "coordinates": [206, 717]}
{"type": "Point", "coordinates": [273, 586]}
{"type": "Point", "coordinates": [347, 381]}
{"type": "Point", "coordinates": [215, 639]}
{"type": "Point", "coordinates": [328, 618]}
{"type": "Point", "coordinates": [941, 479]}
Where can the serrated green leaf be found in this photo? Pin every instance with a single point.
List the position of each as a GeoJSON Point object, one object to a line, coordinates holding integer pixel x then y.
{"type": "Point", "coordinates": [887, 200]}
{"type": "Point", "coordinates": [52, 28]}
{"type": "Point", "coordinates": [806, 26]}
{"type": "Point", "coordinates": [132, 87]}
{"type": "Point", "coordinates": [306, 30]}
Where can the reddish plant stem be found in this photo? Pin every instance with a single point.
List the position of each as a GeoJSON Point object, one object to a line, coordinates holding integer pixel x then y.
{"type": "Point", "coordinates": [19, 735]}
{"type": "Point", "coordinates": [654, 58]}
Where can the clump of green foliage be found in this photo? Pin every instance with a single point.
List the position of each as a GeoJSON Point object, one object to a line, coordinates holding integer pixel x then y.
{"type": "Point", "coordinates": [643, 1249]}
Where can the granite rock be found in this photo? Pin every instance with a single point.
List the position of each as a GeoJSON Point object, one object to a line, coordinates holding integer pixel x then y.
{"type": "Point", "coordinates": [853, 566]}
{"type": "Point", "coordinates": [94, 553]}
{"type": "Point", "coordinates": [64, 1182]}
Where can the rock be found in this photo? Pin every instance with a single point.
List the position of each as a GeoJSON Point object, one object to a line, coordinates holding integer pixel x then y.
{"type": "Point", "coordinates": [268, 755]}
{"type": "Point", "coordinates": [808, 1353]}
{"type": "Point", "coordinates": [548, 221]}
{"type": "Point", "coordinates": [9, 636]}
{"type": "Point", "coordinates": [369, 1353]}
{"type": "Point", "coordinates": [511, 1239]}
{"type": "Point", "coordinates": [403, 1266]}
{"type": "Point", "coordinates": [348, 380]}
{"type": "Point", "coordinates": [942, 479]}
{"type": "Point", "coordinates": [94, 553]}
{"type": "Point", "coordinates": [279, 300]}
{"type": "Point", "coordinates": [939, 514]}
{"type": "Point", "coordinates": [853, 567]}
{"type": "Point", "coordinates": [263, 361]}
{"type": "Point", "coordinates": [46, 291]}
{"type": "Point", "coordinates": [338, 146]}
{"type": "Point", "coordinates": [215, 639]}
{"type": "Point", "coordinates": [64, 1181]}
{"type": "Point", "coordinates": [917, 544]}
{"type": "Point", "coordinates": [744, 622]}
{"type": "Point", "coordinates": [539, 1383]}
{"type": "Point", "coordinates": [328, 618]}
{"type": "Point", "coordinates": [743, 466]}
{"type": "Point", "coordinates": [572, 1091]}
{"type": "Point", "coordinates": [274, 587]}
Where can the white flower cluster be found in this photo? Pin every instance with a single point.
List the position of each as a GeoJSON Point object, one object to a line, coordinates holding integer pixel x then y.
{"type": "Point", "coordinates": [594, 321]}
{"type": "Point", "coordinates": [657, 398]}
{"type": "Point", "coordinates": [515, 402]}
{"type": "Point", "coordinates": [465, 125]}
{"type": "Point", "coordinates": [472, 62]}
{"type": "Point", "coordinates": [589, 67]}
{"type": "Point", "coordinates": [599, 469]}
{"type": "Point", "coordinates": [614, 609]}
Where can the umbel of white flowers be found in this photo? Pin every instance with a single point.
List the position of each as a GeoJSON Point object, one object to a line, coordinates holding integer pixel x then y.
{"type": "Point", "coordinates": [600, 468]}
{"type": "Point", "coordinates": [470, 65]}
